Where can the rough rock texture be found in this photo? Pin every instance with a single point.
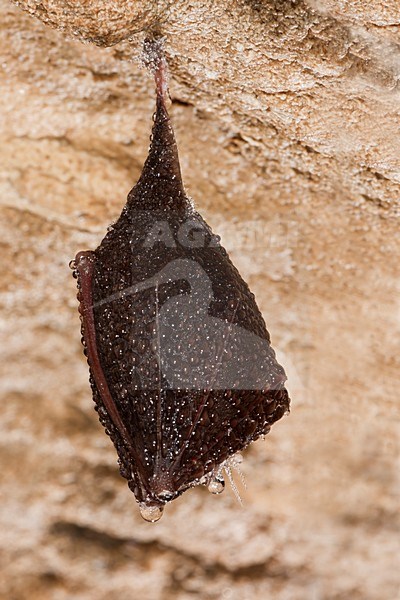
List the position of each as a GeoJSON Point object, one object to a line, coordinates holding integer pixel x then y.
{"type": "Point", "coordinates": [287, 120]}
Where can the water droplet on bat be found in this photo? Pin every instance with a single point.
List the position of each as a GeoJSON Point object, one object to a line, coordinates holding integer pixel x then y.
{"type": "Point", "coordinates": [152, 514]}
{"type": "Point", "coordinates": [217, 485]}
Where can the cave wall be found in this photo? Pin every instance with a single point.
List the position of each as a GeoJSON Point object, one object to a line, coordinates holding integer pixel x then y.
{"type": "Point", "coordinates": [287, 120]}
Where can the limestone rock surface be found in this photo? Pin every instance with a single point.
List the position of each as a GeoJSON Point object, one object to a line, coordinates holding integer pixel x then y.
{"type": "Point", "coordinates": [287, 120]}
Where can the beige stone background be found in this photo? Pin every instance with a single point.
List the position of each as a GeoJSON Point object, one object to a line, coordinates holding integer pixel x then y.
{"type": "Point", "coordinates": [287, 119]}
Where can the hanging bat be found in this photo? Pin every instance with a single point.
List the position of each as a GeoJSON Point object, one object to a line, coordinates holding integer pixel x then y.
{"type": "Point", "coordinates": [182, 371]}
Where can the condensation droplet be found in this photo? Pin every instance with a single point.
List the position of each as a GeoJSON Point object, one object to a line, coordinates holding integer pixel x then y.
{"type": "Point", "coordinates": [237, 459]}
{"type": "Point", "coordinates": [151, 513]}
{"type": "Point", "coordinates": [217, 485]}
